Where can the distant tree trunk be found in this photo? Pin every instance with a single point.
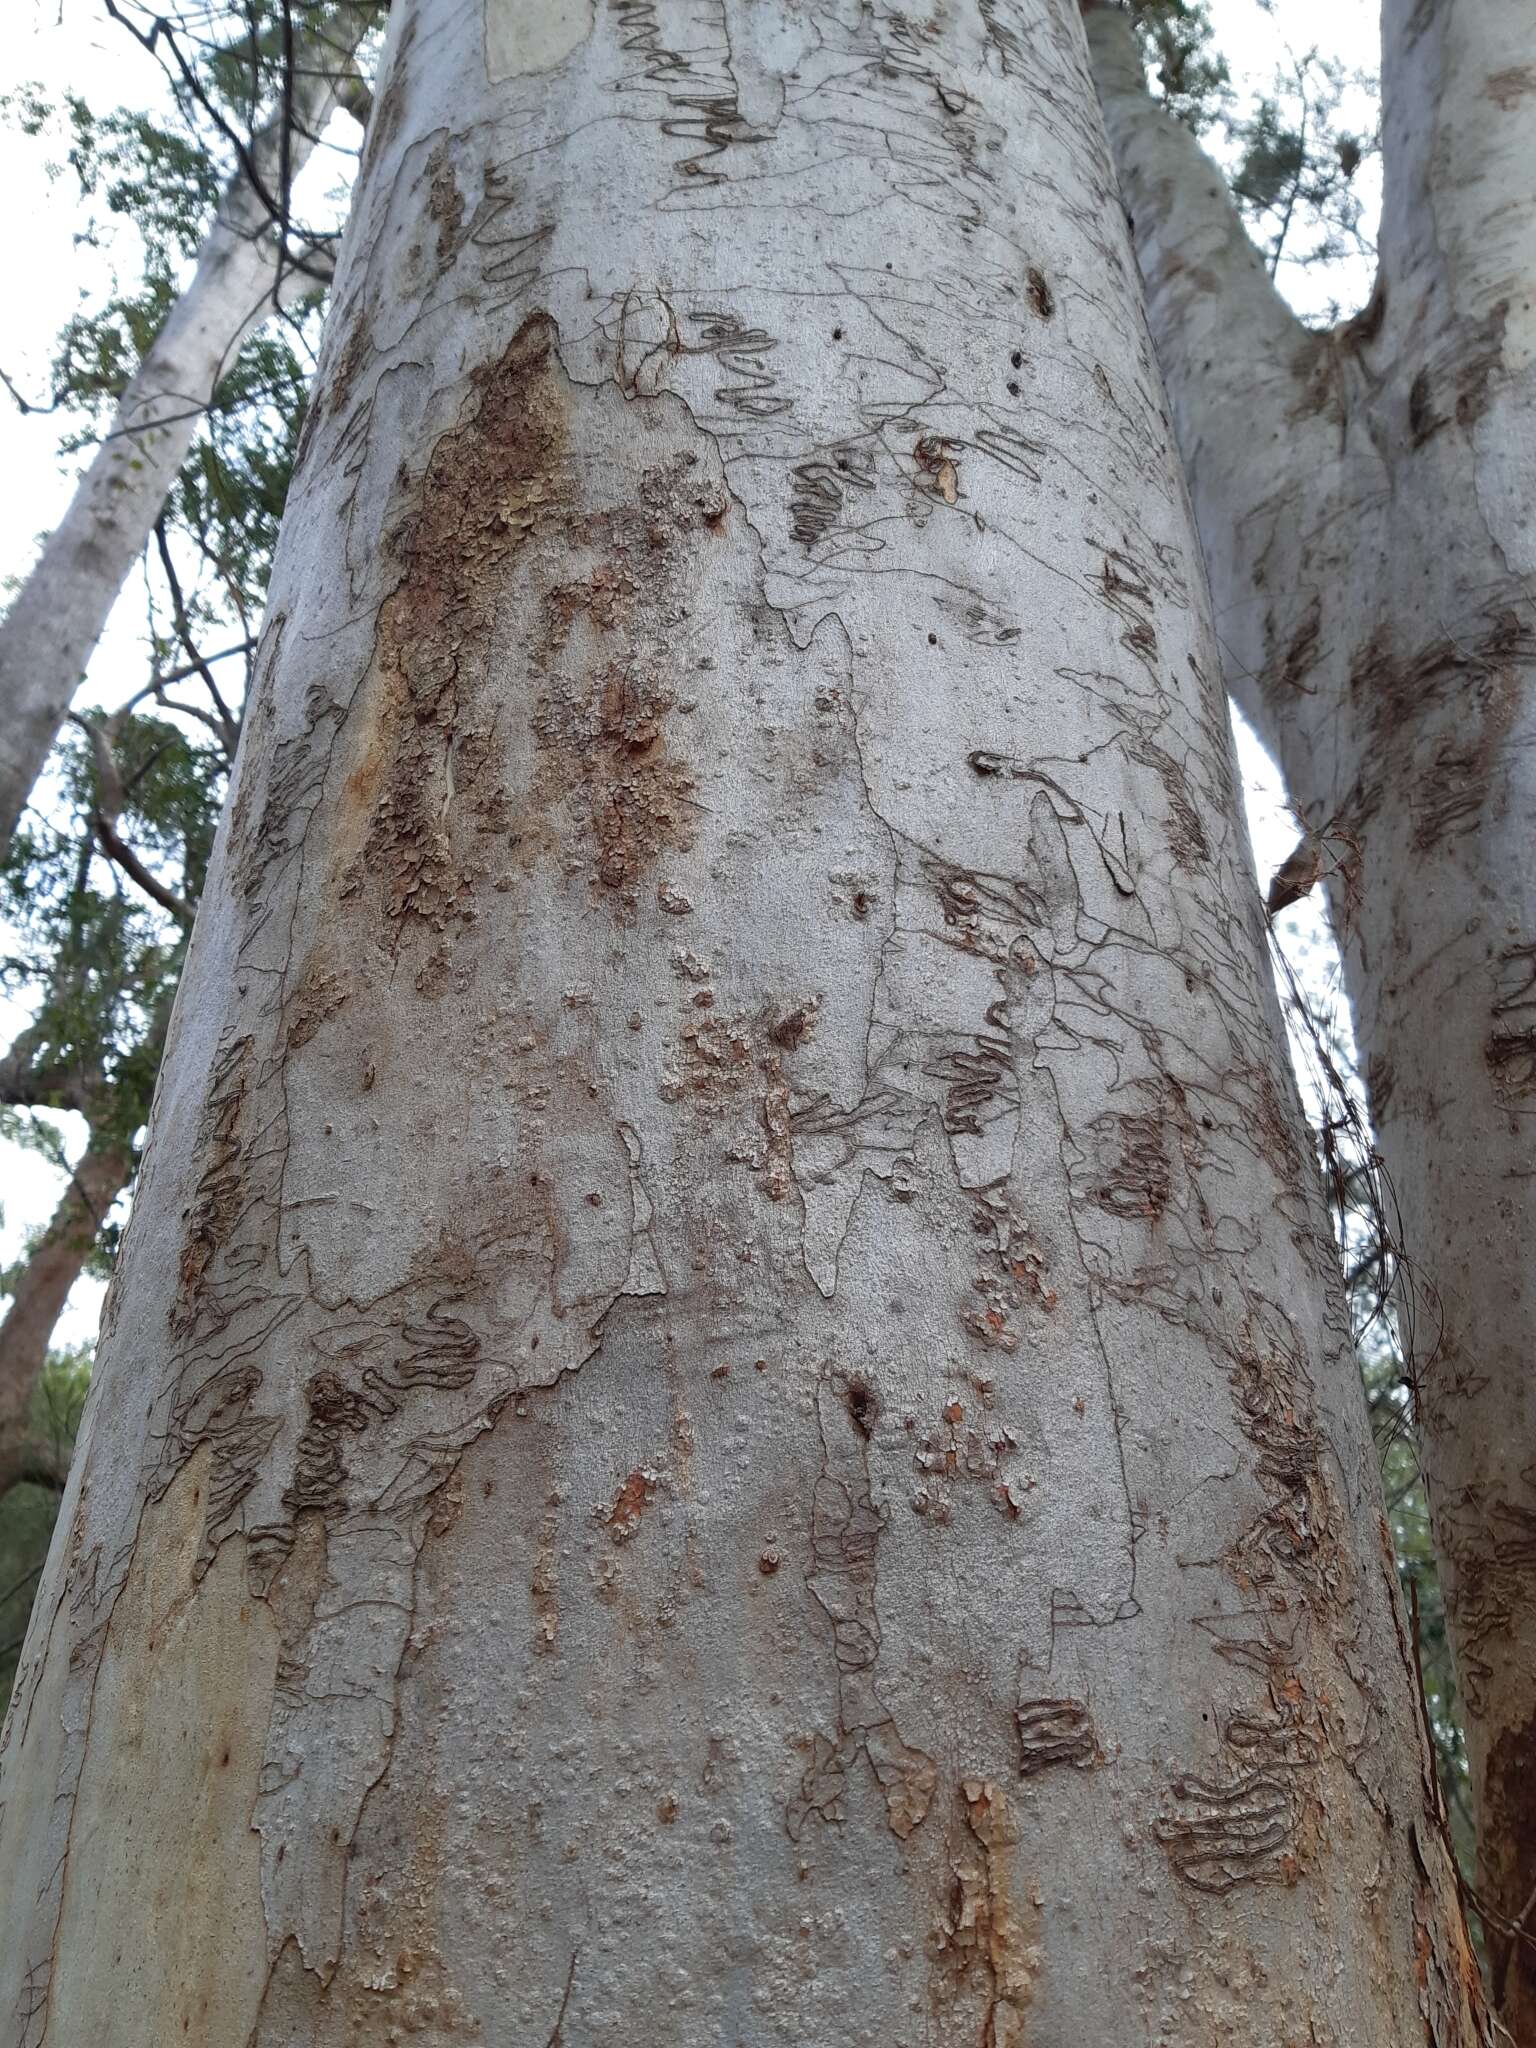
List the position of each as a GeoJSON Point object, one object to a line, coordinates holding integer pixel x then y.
{"type": "Point", "coordinates": [50, 1270]}
{"type": "Point", "coordinates": [727, 1416]}
{"type": "Point", "coordinates": [57, 616]}
{"type": "Point", "coordinates": [1364, 498]}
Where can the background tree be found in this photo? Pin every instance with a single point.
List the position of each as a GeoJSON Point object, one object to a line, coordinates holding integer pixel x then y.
{"type": "Point", "coordinates": [210, 184]}
{"type": "Point", "coordinates": [1363, 496]}
{"type": "Point", "coordinates": [101, 879]}
{"type": "Point", "coordinates": [731, 1307]}
{"type": "Point", "coordinates": [28, 1508]}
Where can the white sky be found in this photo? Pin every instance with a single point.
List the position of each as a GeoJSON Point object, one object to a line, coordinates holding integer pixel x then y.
{"type": "Point", "coordinates": [69, 45]}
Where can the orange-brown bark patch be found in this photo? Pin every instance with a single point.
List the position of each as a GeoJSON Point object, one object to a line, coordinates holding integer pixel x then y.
{"type": "Point", "coordinates": [489, 484]}
{"type": "Point", "coordinates": [319, 994]}
{"type": "Point", "coordinates": [982, 1933]}
{"type": "Point", "coordinates": [629, 1504]}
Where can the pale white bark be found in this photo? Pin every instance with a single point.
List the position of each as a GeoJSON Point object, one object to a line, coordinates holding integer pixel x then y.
{"type": "Point", "coordinates": [751, 1437]}
{"type": "Point", "coordinates": [1364, 502]}
{"type": "Point", "coordinates": [57, 616]}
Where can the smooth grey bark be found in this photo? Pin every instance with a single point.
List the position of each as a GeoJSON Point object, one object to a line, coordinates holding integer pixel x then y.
{"type": "Point", "coordinates": [239, 282]}
{"type": "Point", "coordinates": [1364, 500]}
{"type": "Point", "coordinates": [727, 1416]}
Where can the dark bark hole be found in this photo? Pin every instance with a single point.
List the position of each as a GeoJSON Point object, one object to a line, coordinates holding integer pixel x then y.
{"type": "Point", "coordinates": [933, 639]}
{"type": "Point", "coordinates": [1017, 359]}
{"type": "Point", "coordinates": [837, 334]}
{"type": "Point", "coordinates": [789, 1030]}
{"type": "Point", "coordinates": [1013, 390]}
{"type": "Point", "coordinates": [860, 904]}
{"type": "Point", "coordinates": [863, 1408]}
{"type": "Point", "coordinates": [1040, 294]}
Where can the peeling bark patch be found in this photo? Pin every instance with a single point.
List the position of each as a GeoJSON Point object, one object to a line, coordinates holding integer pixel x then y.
{"type": "Point", "coordinates": [938, 475]}
{"type": "Point", "coordinates": [725, 1067]}
{"type": "Point", "coordinates": [1041, 297]}
{"type": "Point", "coordinates": [600, 723]}
{"type": "Point", "coordinates": [489, 484]}
{"type": "Point", "coordinates": [622, 1520]}
{"type": "Point", "coordinates": [220, 1186]}
{"type": "Point", "coordinates": [845, 1535]}
{"type": "Point", "coordinates": [316, 999]}
{"type": "Point", "coordinates": [982, 1933]}
{"type": "Point", "coordinates": [955, 1453]}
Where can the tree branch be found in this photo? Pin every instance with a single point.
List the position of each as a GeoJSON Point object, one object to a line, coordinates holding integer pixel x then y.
{"type": "Point", "coordinates": [1216, 313]}
{"type": "Point", "coordinates": [1232, 353]}
{"type": "Point", "coordinates": [104, 816]}
{"type": "Point", "coordinates": [1466, 169]}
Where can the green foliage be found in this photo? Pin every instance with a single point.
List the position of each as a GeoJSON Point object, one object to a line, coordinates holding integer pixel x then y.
{"type": "Point", "coordinates": [231, 492]}
{"type": "Point", "coordinates": [99, 351]}
{"type": "Point", "coordinates": [95, 960]}
{"type": "Point", "coordinates": [1292, 159]}
{"type": "Point", "coordinates": [1180, 51]}
{"type": "Point", "coordinates": [159, 177]}
{"type": "Point", "coordinates": [1295, 168]}
{"type": "Point", "coordinates": [28, 1512]}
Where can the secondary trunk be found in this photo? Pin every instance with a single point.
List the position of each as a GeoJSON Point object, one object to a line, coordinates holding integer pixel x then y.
{"type": "Point", "coordinates": [726, 1416]}
{"type": "Point", "coordinates": [50, 1269]}
{"type": "Point", "coordinates": [58, 614]}
{"type": "Point", "coordinates": [1364, 501]}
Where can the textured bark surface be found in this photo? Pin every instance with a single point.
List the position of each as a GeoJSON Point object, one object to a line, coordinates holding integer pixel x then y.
{"type": "Point", "coordinates": [58, 614]}
{"type": "Point", "coordinates": [1364, 498]}
{"type": "Point", "coordinates": [727, 1417]}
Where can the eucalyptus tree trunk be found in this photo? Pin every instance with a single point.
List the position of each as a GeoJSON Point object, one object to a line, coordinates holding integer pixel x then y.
{"type": "Point", "coordinates": [727, 1417]}
{"type": "Point", "coordinates": [239, 282]}
{"type": "Point", "coordinates": [1364, 498]}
